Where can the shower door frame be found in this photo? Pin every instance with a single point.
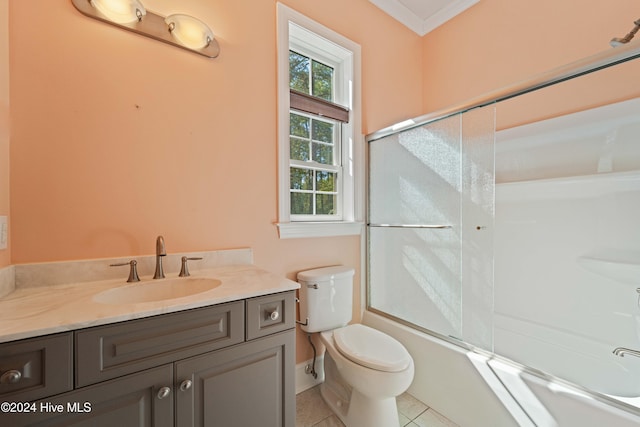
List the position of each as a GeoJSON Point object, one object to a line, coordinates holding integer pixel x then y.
{"type": "Point", "coordinates": [590, 64]}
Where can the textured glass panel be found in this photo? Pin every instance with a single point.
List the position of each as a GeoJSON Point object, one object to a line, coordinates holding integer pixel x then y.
{"type": "Point", "coordinates": [325, 181]}
{"type": "Point", "coordinates": [414, 179]}
{"type": "Point", "coordinates": [301, 179]}
{"type": "Point", "coordinates": [414, 275]}
{"type": "Point", "coordinates": [298, 72]}
{"type": "Point", "coordinates": [322, 77]}
{"type": "Point", "coordinates": [440, 174]}
{"type": "Point", "coordinates": [415, 175]}
{"type": "Point", "coordinates": [299, 125]}
{"type": "Point", "coordinates": [478, 212]}
{"type": "Point", "coordinates": [299, 149]}
{"type": "Point", "coordinates": [325, 204]}
{"type": "Point", "coordinates": [301, 203]}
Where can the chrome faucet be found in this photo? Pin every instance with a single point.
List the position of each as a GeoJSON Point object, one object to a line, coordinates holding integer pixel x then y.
{"type": "Point", "coordinates": [621, 351]}
{"type": "Point", "coordinates": [160, 252]}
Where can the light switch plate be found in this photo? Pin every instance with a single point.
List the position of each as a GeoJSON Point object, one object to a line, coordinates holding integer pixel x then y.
{"type": "Point", "coordinates": [3, 232]}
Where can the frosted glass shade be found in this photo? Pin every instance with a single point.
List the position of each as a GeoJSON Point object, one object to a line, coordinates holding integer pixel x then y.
{"type": "Point", "coordinates": [189, 31]}
{"type": "Point", "coordinates": [120, 11]}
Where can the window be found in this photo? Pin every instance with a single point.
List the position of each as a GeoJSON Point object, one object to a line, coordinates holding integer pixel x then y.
{"type": "Point", "coordinates": [319, 138]}
{"type": "Point", "coordinates": [314, 168]}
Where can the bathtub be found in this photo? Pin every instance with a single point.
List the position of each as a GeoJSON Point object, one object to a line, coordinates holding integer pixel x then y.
{"type": "Point", "coordinates": [580, 359]}
{"type": "Point", "coordinates": [480, 389]}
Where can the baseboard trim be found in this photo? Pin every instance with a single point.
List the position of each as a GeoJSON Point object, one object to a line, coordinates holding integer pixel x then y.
{"type": "Point", "coordinates": [305, 381]}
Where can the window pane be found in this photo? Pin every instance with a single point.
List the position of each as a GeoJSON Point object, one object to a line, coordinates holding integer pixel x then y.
{"type": "Point", "coordinates": [298, 125]}
{"type": "Point", "coordinates": [323, 153]}
{"type": "Point", "coordinates": [301, 203]}
{"type": "Point", "coordinates": [325, 181]}
{"type": "Point", "coordinates": [298, 72]}
{"type": "Point", "coordinates": [301, 179]}
{"type": "Point", "coordinates": [299, 149]}
{"type": "Point", "coordinates": [322, 81]}
{"type": "Point", "coordinates": [325, 204]}
{"type": "Point", "coordinates": [322, 131]}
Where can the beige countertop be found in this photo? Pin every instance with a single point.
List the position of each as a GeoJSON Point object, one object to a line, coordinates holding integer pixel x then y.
{"type": "Point", "coordinates": [34, 311]}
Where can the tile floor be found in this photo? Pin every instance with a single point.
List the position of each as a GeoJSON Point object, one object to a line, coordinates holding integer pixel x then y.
{"type": "Point", "coordinates": [313, 412]}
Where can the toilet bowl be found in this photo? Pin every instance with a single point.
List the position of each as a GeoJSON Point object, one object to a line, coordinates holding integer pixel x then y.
{"type": "Point", "coordinates": [369, 370]}
{"type": "Point", "coordinates": [364, 369]}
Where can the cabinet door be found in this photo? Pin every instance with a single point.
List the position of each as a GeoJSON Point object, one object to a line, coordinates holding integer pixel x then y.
{"type": "Point", "coordinates": [133, 400]}
{"type": "Point", "coordinates": [250, 384]}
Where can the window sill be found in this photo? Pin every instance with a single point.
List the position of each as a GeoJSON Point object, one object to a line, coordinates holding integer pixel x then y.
{"type": "Point", "coordinates": [294, 230]}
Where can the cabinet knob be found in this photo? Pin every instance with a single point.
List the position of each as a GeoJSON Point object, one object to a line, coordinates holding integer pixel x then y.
{"type": "Point", "coordinates": [164, 392]}
{"type": "Point", "coordinates": [11, 377]}
{"type": "Point", "coordinates": [274, 315]}
{"type": "Point", "coordinates": [186, 385]}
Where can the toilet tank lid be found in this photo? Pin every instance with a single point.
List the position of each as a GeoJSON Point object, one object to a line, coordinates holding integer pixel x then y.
{"type": "Point", "coordinates": [326, 273]}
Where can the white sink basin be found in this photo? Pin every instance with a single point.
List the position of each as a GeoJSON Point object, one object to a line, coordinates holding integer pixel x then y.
{"type": "Point", "coordinates": [157, 290]}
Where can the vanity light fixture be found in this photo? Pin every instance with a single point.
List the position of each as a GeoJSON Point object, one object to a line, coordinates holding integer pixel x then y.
{"type": "Point", "coordinates": [179, 30]}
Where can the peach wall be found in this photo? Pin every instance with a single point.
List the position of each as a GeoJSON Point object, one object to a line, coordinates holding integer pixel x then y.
{"type": "Point", "coordinates": [5, 255]}
{"type": "Point", "coordinates": [497, 43]}
{"type": "Point", "coordinates": [118, 138]}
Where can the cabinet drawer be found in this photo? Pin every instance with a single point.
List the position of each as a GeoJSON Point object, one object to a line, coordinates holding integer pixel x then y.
{"type": "Point", "coordinates": [110, 351]}
{"type": "Point", "coordinates": [35, 368]}
{"type": "Point", "coordinates": [270, 314]}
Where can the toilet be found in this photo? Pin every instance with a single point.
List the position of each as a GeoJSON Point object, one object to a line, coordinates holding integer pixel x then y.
{"type": "Point", "coordinates": [364, 369]}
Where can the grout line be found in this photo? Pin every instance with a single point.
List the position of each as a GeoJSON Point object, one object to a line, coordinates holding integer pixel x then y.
{"type": "Point", "coordinates": [416, 417]}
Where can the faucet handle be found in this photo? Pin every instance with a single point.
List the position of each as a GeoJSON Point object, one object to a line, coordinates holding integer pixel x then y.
{"type": "Point", "coordinates": [133, 271]}
{"type": "Point", "coordinates": [184, 270]}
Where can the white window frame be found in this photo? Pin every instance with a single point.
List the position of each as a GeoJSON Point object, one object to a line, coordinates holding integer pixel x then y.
{"type": "Point", "coordinates": [297, 32]}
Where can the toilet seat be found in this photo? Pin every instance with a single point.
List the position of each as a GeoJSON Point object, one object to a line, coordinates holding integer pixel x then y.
{"type": "Point", "coordinates": [371, 348]}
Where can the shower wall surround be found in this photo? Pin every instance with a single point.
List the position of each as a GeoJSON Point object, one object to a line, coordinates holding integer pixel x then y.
{"type": "Point", "coordinates": [568, 247]}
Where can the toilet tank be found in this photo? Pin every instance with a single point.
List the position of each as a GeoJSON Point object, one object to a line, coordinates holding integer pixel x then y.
{"type": "Point", "coordinates": [326, 296]}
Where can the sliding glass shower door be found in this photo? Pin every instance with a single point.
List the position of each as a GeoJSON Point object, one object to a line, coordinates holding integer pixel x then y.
{"type": "Point", "coordinates": [431, 208]}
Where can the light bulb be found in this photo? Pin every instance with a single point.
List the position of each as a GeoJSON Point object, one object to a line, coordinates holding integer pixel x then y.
{"type": "Point", "coordinates": [189, 31]}
{"type": "Point", "coordinates": [120, 11]}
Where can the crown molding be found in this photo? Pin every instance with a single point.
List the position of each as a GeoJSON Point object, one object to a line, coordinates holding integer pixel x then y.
{"type": "Point", "coordinates": [419, 24]}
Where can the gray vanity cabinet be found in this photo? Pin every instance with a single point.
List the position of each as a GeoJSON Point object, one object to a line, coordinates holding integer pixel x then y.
{"type": "Point", "coordinates": [133, 400]}
{"type": "Point", "coordinates": [243, 386]}
{"type": "Point", "coordinates": [225, 365]}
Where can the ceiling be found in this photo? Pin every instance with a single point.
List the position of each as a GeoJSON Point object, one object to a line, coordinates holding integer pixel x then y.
{"type": "Point", "coordinates": [423, 16]}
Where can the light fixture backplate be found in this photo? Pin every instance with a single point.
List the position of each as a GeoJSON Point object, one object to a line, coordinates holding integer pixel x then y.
{"type": "Point", "coordinates": [152, 25]}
